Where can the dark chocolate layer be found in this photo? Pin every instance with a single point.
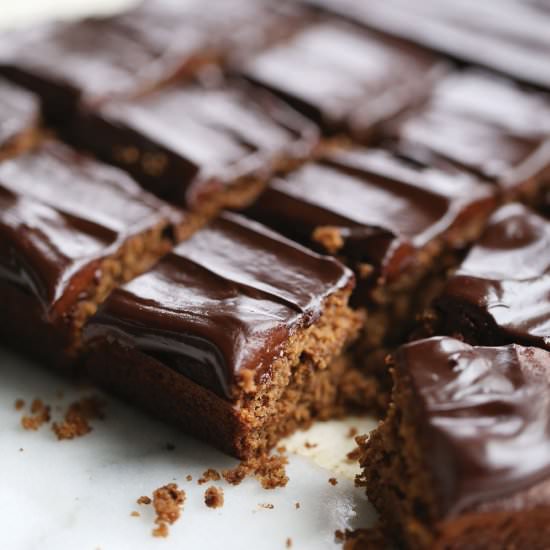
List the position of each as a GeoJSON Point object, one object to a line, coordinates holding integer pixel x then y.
{"type": "Point", "coordinates": [485, 420]}
{"type": "Point", "coordinates": [342, 78]}
{"type": "Point", "coordinates": [501, 292]}
{"type": "Point", "coordinates": [484, 124]}
{"type": "Point", "coordinates": [223, 301]}
{"type": "Point", "coordinates": [381, 208]}
{"type": "Point", "coordinates": [507, 36]}
{"type": "Point", "coordinates": [62, 213]}
{"type": "Point", "coordinates": [19, 112]}
{"type": "Point", "coordinates": [188, 142]}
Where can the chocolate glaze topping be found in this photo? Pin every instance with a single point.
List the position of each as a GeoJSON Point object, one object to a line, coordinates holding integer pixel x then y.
{"type": "Point", "coordinates": [512, 38]}
{"type": "Point", "coordinates": [225, 300]}
{"type": "Point", "coordinates": [19, 112]}
{"type": "Point", "coordinates": [61, 214]}
{"type": "Point", "coordinates": [501, 292]}
{"type": "Point", "coordinates": [485, 420]}
{"type": "Point", "coordinates": [383, 208]}
{"type": "Point", "coordinates": [342, 78]}
{"type": "Point", "coordinates": [189, 141]}
{"type": "Point", "coordinates": [482, 123]}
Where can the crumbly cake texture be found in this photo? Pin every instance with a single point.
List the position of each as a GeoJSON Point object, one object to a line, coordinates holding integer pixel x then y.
{"type": "Point", "coordinates": [205, 146]}
{"type": "Point", "coordinates": [213, 497]}
{"type": "Point", "coordinates": [72, 229]}
{"type": "Point", "coordinates": [399, 225]}
{"type": "Point", "coordinates": [77, 418]}
{"type": "Point", "coordinates": [500, 292]}
{"type": "Point", "coordinates": [167, 502]}
{"type": "Point", "coordinates": [447, 468]}
{"type": "Point", "coordinates": [273, 333]}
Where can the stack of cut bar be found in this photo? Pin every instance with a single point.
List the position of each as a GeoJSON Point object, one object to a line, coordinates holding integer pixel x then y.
{"type": "Point", "coordinates": [372, 183]}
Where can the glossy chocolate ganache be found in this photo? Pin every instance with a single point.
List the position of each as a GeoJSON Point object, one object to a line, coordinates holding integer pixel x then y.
{"type": "Point", "coordinates": [225, 300]}
{"type": "Point", "coordinates": [485, 420]}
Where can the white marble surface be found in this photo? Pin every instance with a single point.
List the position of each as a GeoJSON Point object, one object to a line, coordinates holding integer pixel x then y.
{"type": "Point", "coordinates": [78, 495]}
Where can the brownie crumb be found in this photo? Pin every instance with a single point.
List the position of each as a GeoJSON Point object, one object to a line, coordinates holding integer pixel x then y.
{"type": "Point", "coordinates": [352, 432]}
{"type": "Point", "coordinates": [329, 237]}
{"type": "Point", "coordinates": [288, 543]}
{"type": "Point", "coordinates": [167, 502]}
{"type": "Point", "coordinates": [297, 505]}
{"type": "Point", "coordinates": [309, 445]}
{"type": "Point", "coordinates": [189, 477]}
{"type": "Point", "coordinates": [213, 497]}
{"type": "Point", "coordinates": [353, 456]}
{"type": "Point", "coordinates": [19, 404]}
{"type": "Point", "coordinates": [269, 470]}
{"type": "Point", "coordinates": [267, 505]}
{"type": "Point", "coordinates": [365, 539]}
{"type": "Point", "coordinates": [135, 514]}
{"type": "Point", "coordinates": [333, 481]}
{"type": "Point", "coordinates": [40, 414]}
{"type": "Point", "coordinates": [144, 500]}
{"type": "Point", "coordinates": [209, 475]}
{"type": "Point", "coordinates": [76, 422]}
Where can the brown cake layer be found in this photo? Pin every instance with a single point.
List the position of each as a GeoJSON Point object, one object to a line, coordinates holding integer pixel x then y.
{"type": "Point", "coordinates": [500, 294]}
{"type": "Point", "coordinates": [345, 79]}
{"type": "Point", "coordinates": [71, 229]}
{"type": "Point", "coordinates": [233, 336]}
{"type": "Point", "coordinates": [484, 124]}
{"type": "Point", "coordinates": [463, 458]}
{"type": "Point", "coordinates": [398, 225]}
{"type": "Point", "coordinates": [19, 118]}
{"type": "Point", "coordinates": [205, 146]}
{"type": "Point", "coordinates": [124, 54]}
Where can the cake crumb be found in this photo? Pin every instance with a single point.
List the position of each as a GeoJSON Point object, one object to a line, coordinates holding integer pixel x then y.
{"type": "Point", "coordinates": [267, 505]}
{"type": "Point", "coordinates": [167, 502]}
{"type": "Point", "coordinates": [213, 497]}
{"type": "Point", "coordinates": [352, 432]}
{"type": "Point", "coordinates": [309, 445]}
{"type": "Point", "coordinates": [281, 449]}
{"type": "Point", "coordinates": [135, 514]}
{"type": "Point", "coordinates": [269, 470]}
{"type": "Point", "coordinates": [19, 404]}
{"type": "Point", "coordinates": [288, 543]}
{"type": "Point", "coordinates": [144, 500]}
{"type": "Point", "coordinates": [364, 539]}
{"type": "Point", "coordinates": [329, 237]}
{"type": "Point", "coordinates": [209, 475]}
{"type": "Point", "coordinates": [297, 505]}
{"type": "Point", "coordinates": [76, 422]}
{"type": "Point", "coordinates": [40, 414]}
{"type": "Point", "coordinates": [333, 481]}
{"type": "Point", "coordinates": [189, 477]}
{"type": "Point", "coordinates": [353, 456]}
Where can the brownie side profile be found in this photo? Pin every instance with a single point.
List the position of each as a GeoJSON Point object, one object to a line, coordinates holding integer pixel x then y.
{"type": "Point", "coordinates": [484, 124]}
{"type": "Point", "coordinates": [19, 119]}
{"type": "Point", "coordinates": [500, 294]}
{"type": "Point", "coordinates": [71, 230]}
{"type": "Point", "coordinates": [462, 459]}
{"type": "Point", "coordinates": [236, 336]}
{"type": "Point", "coordinates": [344, 79]}
{"type": "Point", "coordinates": [203, 146]}
{"type": "Point", "coordinates": [398, 225]}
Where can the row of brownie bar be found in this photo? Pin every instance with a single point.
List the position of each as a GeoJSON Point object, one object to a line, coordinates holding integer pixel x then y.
{"type": "Point", "coordinates": [227, 335]}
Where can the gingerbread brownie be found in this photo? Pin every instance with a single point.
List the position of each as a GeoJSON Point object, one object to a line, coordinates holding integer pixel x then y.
{"type": "Point", "coordinates": [71, 229]}
{"type": "Point", "coordinates": [19, 119]}
{"type": "Point", "coordinates": [233, 336]}
{"type": "Point", "coordinates": [509, 37]}
{"type": "Point", "coordinates": [463, 458]}
{"type": "Point", "coordinates": [345, 79]}
{"type": "Point", "coordinates": [485, 124]}
{"type": "Point", "coordinates": [500, 294]}
{"type": "Point", "coordinates": [398, 225]}
{"type": "Point", "coordinates": [125, 54]}
{"type": "Point", "coordinates": [203, 146]}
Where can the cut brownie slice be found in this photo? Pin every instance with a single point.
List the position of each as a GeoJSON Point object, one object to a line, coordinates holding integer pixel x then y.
{"type": "Point", "coordinates": [124, 54]}
{"type": "Point", "coordinates": [463, 458]}
{"type": "Point", "coordinates": [343, 78]}
{"type": "Point", "coordinates": [232, 336]}
{"type": "Point", "coordinates": [501, 292]}
{"type": "Point", "coordinates": [485, 124]}
{"type": "Point", "coordinates": [205, 146]}
{"type": "Point", "coordinates": [398, 225]}
{"type": "Point", "coordinates": [71, 229]}
{"type": "Point", "coordinates": [19, 118]}
{"type": "Point", "coordinates": [509, 37]}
